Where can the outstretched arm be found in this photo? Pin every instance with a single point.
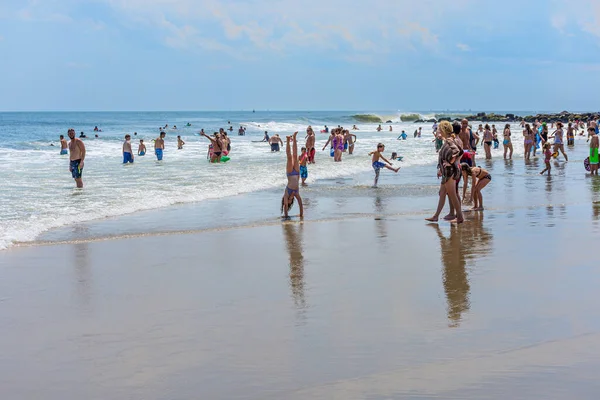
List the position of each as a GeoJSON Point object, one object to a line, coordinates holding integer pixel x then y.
{"type": "Point", "coordinates": [328, 141]}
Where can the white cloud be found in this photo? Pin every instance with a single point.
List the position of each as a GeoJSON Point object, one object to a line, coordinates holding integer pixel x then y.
{"type": "Point", "coordinates": [463, 47]}
{"type": "Point", "coordinates": [283, 25]}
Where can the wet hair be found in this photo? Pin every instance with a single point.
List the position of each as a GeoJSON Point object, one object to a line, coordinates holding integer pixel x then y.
{"type": "Point", "coordinates": [465, 167]}
{"type": "Point", "coordinates": [62, 137]}
{"type": "Point", "coordinates": [290, 202]}
{"type": "Point", "coordinates": [456, 127]}
{"type": "Point", "coordinates": [128, 136]}
{"type": "Point", "coordinates": [559, 124]}
{"type": "Point", "coordinates": [303, 149]}
{"type": "Point", "coordinates": [394, 155]}
{"type": "Point", "coordinates": [507, 126]}
{"type": "Point", "coordinates": [380, 145]}
{"type": "Point", "coordinates": [487, 126]}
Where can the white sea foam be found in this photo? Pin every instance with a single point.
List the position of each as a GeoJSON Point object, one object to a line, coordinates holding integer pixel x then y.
{"type": "Point", "coordinates": [39, 194]}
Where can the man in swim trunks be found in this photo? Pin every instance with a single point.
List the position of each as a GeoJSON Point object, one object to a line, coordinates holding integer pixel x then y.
{"type": "Point", "coordinates": [127, 151]}
{"type": "Point", "coordinates": [310, 147]}
{"type": "Point", "coordinates": [159, 146]}
{"type": "Point", "coordinates": [468, 156]}
{"type": "Point", "coordinates": [275, 142]}
{"type": "Point", "coordinates": [76, 158]}
{"type": "Point", "coordinates": [63, 146]}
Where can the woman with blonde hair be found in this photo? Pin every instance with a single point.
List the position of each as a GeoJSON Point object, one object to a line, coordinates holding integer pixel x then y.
{"type": "Point", "coordinates": [449, 171]}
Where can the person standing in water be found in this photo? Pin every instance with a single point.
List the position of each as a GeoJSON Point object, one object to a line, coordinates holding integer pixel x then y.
{"type": "Point", "coordinates": [310, 146]}
{"type": "Point", "coordinates": [266, 137]}
{"type": "Point", "coordinates": [594, 158]}
{"type": "Point", "coordinates": [180, 143]}
{"type": "Point", "coordinates": [377, 165]}
{"type": "Point", "coordinates": [216, 145]}
{"type": "Point", "coordinates": [507, 142]}
{"type": "Point", "coordinates": [570, 135]}
{"type": "Point", "coordinates": [558, 140]}
{"type": "Point", "coordinates": [529, 137]}
{"type": "Point", "coordinates": [76, 158]}
{"type": "Point", "coordinates": [292, 169]}
{"type": "Point", "coordinates": [349, 140]}
{"type": "Point", "coordinates": [159, 146]}
{"type": "Point", "coordinates": [547, 158]}
{"type": "Point", "coordinates": [304, 159]}
{"type": "Point", "coordinates": [488, 139]}
{"type": "Point", "coordinates": [127, 151]}
{"type": "Point", "coordinates": [449, 171]}
{"type": "Point", "coordinates": [63, 146]}
{"type": "Point", "coordinates": [275, 142]}
{"type": "Point", "coordinates": [142, 148]}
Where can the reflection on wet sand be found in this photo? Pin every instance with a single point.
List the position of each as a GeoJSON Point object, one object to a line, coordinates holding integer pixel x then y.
{"type": "Point", "coordinates": [83, 274]}
{"type": "Point", "coordinates": [380, 223]}
{"type": "Point", "coordinates": [294, 240]}
{"type": "Point", "coordinates": [466, 243]}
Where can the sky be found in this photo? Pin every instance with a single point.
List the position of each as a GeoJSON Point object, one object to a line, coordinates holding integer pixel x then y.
{"type": "Point", "coordinates": [130, 55]}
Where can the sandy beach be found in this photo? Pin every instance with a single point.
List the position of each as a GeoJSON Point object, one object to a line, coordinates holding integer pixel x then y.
{"type": "Point", "coordinates": [362, 300]}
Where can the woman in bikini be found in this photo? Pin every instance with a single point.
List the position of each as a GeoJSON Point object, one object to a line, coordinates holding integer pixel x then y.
{"type": "Point", "coordinates": [292, 190]}
{"type": "Point", "coordinates": [528, 143]}
{"type": "Point", "coordinates": [488, 138]}
{"type": "Point", "coordinates": [480, 179]}
{"type": "Point", "coordinates": [507, 142]}
{"type": "Point", "coordinates": [215, 149]}
{"type": "Point", "coordinates": [448, 157]}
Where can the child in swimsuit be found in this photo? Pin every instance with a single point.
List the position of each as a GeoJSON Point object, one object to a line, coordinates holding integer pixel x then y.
{"type": "Point", "coordinates": [180, 143]}
{"type": "Point", "coordinates": [292, 190]}
{"type": "Point", "coordinates": [547, 158]}
{"type": "Point", "coordinates": [142, 148]}
{"type": "Point", "coordinates": [480, 179]}
{"type": "Point", "coordinates": [303, 165]}
{"type": "Point", "coordinates": [377, 165]}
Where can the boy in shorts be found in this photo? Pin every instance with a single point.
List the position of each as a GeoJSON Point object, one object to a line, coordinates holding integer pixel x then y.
{"type": "Point", "coordinates": [377, 165]}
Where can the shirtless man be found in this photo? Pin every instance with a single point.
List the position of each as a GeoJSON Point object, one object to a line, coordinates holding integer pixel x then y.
{"type": "Point", "coordinates": [349, 140]}
{"type": "Point", "coordinates": [127, 151]}
{"type": "Point", "coordinates": [159, 146]}
{"type": "Point", "coordinates": [310, 146]}
{"type": "Point", "coordinates": [63, 146]}
{"type": "Point", "coordinates": [275, 143]}
{"type": "Point", "coordinates": [76, 158]}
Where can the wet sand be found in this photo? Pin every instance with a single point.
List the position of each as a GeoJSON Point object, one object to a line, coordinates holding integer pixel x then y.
{"type": "Point", "coordinates": [370, 304]}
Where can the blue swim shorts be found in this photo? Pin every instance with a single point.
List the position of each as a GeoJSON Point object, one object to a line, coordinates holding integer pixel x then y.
{"type": "Point", "coordinates": [159, 154]}
{"type": "Point", "coordinates": [303, 172]}
{"type": "Point", "coordinates": [127, 158]}
{"type": "Point", "coordinates": [76, 172]}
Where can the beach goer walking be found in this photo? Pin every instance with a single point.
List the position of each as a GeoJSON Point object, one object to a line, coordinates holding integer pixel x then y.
{"type": "Point", "coordinates": [488, 138]}
{"type": "Point", "coordinates": [76, 158]}
{"type": "Point", "coordinates": [450, 173]}
{"type": "Point", "coordinates": [275, 142]}
{"type": "Point", "coordinates": [304, 160]}
{"type": "Point", "coordinates": [377, 165]}
{"type": "Point", "coordinates": [594, 158]}
{"type": "Point", "coordinates": [338, 146]}
{"type": "Point", "coordinates": [127, 151]}
{"type": "Point", "coordinates": [292, 169]}
{"type": "Point", "coordinates": [330, 141]}
{"type": "Point", "coordinates": [507, 142]}
{"type": "Point", "coordinates": [63, 146]}
{"type": "Point", "coordinates": [479, 179]}
{"type": "Point", "coordinates": [159, 146]}
{"type": "Point", "coordinates": [547, 158]}
{"type": "Point", "coordinates": [142, 148]}
{"type": "Point", "coordinates": [559, 144]}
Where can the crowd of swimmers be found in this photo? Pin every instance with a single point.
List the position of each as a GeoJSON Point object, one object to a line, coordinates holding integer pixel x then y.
{"type": "Point", "coordinates": [456, 144]}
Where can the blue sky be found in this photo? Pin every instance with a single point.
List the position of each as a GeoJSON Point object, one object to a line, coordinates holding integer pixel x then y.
{"type": "Point", "coordinates": [299, 55]}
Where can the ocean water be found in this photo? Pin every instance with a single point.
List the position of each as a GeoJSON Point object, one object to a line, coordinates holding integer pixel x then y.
{"type": "Point", "coordinates": [39, 194]}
